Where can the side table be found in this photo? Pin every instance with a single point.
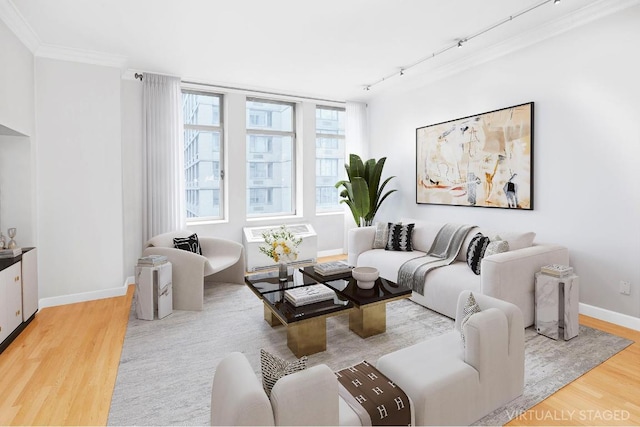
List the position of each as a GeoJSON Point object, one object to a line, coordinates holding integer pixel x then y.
{"type": "Point", "coordinates": [154, 296]}
{"type": "Point", "coordinates": [556, 306]}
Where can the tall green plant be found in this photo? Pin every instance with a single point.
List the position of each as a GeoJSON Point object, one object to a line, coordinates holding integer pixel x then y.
{"type": "Point", "coordinates": [363, 192]}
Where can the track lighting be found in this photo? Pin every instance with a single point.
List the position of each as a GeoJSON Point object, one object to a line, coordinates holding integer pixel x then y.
{"type": "Point", "coordinates": [556, 1]}
{"type": "Point", "coordinates": [459, 43]}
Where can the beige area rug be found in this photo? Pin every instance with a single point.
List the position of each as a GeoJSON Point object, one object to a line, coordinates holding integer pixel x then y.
{"type": "Point", "coordinates": [167, 366]}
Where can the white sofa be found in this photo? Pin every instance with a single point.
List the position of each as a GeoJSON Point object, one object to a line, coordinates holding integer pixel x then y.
{"type": "Point", "coordinates": [452, 384]}
{"type": "Point", "coordinates": [305, 398]}
{"type": "Point", "coordinates": [508, 276]}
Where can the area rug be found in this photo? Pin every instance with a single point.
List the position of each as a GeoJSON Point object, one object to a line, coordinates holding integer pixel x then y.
{"type": "Point", "coordinates": [167, 366]}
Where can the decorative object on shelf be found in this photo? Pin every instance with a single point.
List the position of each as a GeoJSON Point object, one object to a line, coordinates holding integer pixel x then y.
{"type": "Point", "coordinates": [482, 160]}
{"type": "Point", "coordinates": [281, 245]}
{"type": "Point", "coordinates": [12, 243]}
{"type": "Point", "coordinates": [365, 276]}
{"type": "Point", "coordinates": [362, 191]}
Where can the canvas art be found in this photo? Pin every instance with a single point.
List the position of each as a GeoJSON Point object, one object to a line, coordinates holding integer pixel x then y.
{"type": "Point", "coordinates": [484, 160]}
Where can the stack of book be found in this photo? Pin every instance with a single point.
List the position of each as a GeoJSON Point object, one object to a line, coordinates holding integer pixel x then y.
{"type": "Point", "coordinates": [10, 253]}
{"type": "Point", "coordinates": [151, 260]}
{"type": "Point", "coordinates": [557, 270]}
{"type": "Point", "coordinates": [308, 294]}
{"type": "Point", "coordinates": [331, 268]}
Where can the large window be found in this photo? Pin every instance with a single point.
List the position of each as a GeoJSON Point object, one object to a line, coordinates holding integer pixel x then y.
{"type": "Point", "coordinates": [330, 154]}
{"type": "Point", "coordinates": [203, 142]}
{"type": "Point", "coordinates": [270, 157]}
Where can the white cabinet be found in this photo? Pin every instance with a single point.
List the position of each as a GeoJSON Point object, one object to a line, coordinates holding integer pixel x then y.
{"type": "Point", "coordinates": [18, 294]}
{"type": "Point", "coordinates": [29, 284]}
{"type": "Point", "coordinates": [11, 299]}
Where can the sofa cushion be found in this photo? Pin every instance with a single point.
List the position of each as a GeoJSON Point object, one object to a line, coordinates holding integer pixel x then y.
{"type": "Point", "coordinates": [400, 237]}
{"type": "Point", "coordinates": [190, 244]}
{"type": "Point", "coordinates": [476, 251]}
{"type": "Point", "coordinates": [273, 368]}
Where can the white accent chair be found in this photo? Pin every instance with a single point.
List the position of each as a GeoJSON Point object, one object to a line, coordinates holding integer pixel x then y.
{"type": "Point", "coordinates": [222, 260]}
{"type": "Point", "coordinates": [304, 398]}
{"type": "Point", "coordinates": [454, 385]}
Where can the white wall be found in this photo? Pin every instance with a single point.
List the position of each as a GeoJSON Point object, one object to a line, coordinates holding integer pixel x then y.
{"type": "Point", "coordinates": [79, 178]}
{"type": "Point", "coordinates": [587, 147]}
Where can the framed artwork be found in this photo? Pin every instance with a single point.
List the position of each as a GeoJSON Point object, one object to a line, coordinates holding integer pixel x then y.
{"type": "Point", "coordinates": [484, 160]}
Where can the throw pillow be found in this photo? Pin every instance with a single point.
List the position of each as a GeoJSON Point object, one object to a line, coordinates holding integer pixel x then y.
{"type": "Point", "coordinates": [273, 368]}
{"type": "Point", "coordinates": [400, 236]}
{"type": "Point", "coordinates": [475, 251]}
{"type": "Point", "coordinates": [191, 244]}
{"type": "Point", "coordinates": [382, 235]}
{"type": "Point", "coordinates": [496, 246]}
{"type": "Point", "coordinates": [471, 307]}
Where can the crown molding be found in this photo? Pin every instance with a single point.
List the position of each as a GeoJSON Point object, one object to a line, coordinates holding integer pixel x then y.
{"type": "Point", "coordinates": [81, 55]}
{"type": "Point", "coordinates": [589, 13]}
{"type": "Point", "coordinates": [13, 19]}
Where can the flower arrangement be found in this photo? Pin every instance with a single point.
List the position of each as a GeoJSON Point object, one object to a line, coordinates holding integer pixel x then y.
{"type": "Point", "coordinates": [280, 245]}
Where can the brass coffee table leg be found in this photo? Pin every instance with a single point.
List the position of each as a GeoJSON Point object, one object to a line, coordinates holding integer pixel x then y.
{"type": "Point", "coordinates": [269, 317]}
{"type": "Point", "coordinates": [368, 320]}
{"type": "Point", "coordinates": [307, 336]}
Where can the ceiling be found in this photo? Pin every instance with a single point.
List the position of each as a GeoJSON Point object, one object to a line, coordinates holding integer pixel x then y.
{"type": "Point", "coordinates": [330, 49]}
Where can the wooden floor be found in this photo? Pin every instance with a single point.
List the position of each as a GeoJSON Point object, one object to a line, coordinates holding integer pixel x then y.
{"type": "Point", "coordinates": [62, 369]}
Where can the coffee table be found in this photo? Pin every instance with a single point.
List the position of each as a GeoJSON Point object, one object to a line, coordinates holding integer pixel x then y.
{"type": "Point", "coordinates": [306, 324]}
{"type": "Point", "coordinates": [369, 316]}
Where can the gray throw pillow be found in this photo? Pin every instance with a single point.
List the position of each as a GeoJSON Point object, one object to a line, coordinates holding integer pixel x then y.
{"type": "Point", "coordinates": [273, 368]}
{"type": "Point", "coordinates": [382, 235]}
{"type": "Point", "coordinates": [470, 308]}
{"type": "Point", "coordinates": [496, 246]}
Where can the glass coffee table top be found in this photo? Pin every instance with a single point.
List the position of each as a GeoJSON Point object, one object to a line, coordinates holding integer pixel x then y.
{"type": "Point", "coordinates": [268, 287]}
{"type": "Point", "coordinates": [346, 286]}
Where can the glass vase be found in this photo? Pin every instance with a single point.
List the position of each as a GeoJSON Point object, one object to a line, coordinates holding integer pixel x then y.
{"type": "Point", "coordinates": [283, 273]}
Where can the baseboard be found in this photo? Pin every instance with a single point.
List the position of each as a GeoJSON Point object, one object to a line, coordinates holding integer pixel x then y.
{"type": "Point", "coordinates": [610, 316]}
{"type": "Point", "coordinates": [331, 252]}
{"type": "Point", "coordinates": [86, 296]}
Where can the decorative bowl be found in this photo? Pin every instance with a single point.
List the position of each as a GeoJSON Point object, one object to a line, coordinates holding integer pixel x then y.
{"type": "Point", "coordinates": [365, 276]}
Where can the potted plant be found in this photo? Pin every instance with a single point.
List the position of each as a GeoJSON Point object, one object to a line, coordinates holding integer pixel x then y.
{"type": "Point", "coordinates": [363, 192]}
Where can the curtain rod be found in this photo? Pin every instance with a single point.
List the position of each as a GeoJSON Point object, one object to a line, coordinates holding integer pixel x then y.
{"type": "Point", "coordinates": [264, 92]}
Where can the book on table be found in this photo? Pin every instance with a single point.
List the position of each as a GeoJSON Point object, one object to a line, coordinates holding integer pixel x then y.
{"type": "Point", "coordinates": [308, 294]}
{"type": "Point", "coordinates": [151, 260]}
{"type": "Point", "coordinates": [331, 268]}
{"type": "Point", "coordinates": [557, 270]}
{"type": "Point", "coordinates": [10, 253]}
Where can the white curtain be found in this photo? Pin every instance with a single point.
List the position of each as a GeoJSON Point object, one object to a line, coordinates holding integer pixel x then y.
{"type": "Point", "coordinates": [163, 168]}
{"type": "Point", "coordinates": [356, 130]}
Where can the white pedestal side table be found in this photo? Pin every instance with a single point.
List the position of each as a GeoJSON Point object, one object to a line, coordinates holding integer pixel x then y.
{"type": "Point", "coordinates": [154, 296]}
{"type": "Point", "coordinates": [556, 306]}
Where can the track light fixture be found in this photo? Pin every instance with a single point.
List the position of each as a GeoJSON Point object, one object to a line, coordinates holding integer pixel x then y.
{"type": "Point", "coordinates": [460, 42]}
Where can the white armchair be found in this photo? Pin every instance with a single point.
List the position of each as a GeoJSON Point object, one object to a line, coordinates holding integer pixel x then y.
{"type": "Point", "coordinates": [222, 260]}
{"type": "Point", "coordinates": [455, 385]}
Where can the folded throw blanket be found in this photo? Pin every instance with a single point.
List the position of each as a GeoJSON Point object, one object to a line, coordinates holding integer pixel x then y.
{"type": "Point", "coordinates": [443, 251]}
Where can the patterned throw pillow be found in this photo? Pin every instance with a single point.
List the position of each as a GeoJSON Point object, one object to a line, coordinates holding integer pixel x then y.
{"type": "Point", "coordinates": [191, 244]}
{"type": "Point", "coordinates": [475, 251]}
{"type": "Point", "coordinates": [470, 308]}
{"type": "Point", "coordinates": [400, 236]}
{"type": "Point", "coordinates": [496, 246]}
{"type": "Point", "coordinates": [273, 368]}
{"type": "Point", "coordinates": [382, 235]}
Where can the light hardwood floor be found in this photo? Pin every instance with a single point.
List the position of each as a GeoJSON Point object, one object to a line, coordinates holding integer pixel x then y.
{"type": "Point", "coordinates": [62, 369]}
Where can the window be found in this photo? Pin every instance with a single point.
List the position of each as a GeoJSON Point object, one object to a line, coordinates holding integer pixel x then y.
{"type": "Point", "coordinates": [203, 142]}
{"type": "Point", "coordinates": [330, 154]}
{"type": "Point", "coordinates": [270, 157]}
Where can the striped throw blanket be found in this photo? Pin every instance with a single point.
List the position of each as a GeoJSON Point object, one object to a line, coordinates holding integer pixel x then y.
{"type": "Point", "coordinates": [443, 251]}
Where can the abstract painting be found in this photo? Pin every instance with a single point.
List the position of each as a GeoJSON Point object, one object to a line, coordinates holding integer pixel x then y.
{"type": "Point", "coordinates": [484, 160]}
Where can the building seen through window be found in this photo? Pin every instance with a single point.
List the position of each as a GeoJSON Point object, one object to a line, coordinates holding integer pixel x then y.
{"type": "Point", "coordinates": [330, 157]}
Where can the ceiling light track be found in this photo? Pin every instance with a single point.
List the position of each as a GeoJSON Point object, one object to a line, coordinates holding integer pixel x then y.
{"type": "Point", "coordinates": [458, 44]}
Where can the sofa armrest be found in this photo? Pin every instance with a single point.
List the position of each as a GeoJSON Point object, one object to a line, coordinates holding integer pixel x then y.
{"type": "Point", "coordinates": [179, 258]}
{"type": "Point", "coordinates": [512, 272]}
{"type": "Point", "coordinates": [486, 337]}
{"type": "Point", "coordinates": [237, 397]}
{"type": "Point", "coordinates": [359, 240]}
{"type": "Point", "coordinates": [214, 246]}
{"type": "Point", "coordinates": [306, 398]}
